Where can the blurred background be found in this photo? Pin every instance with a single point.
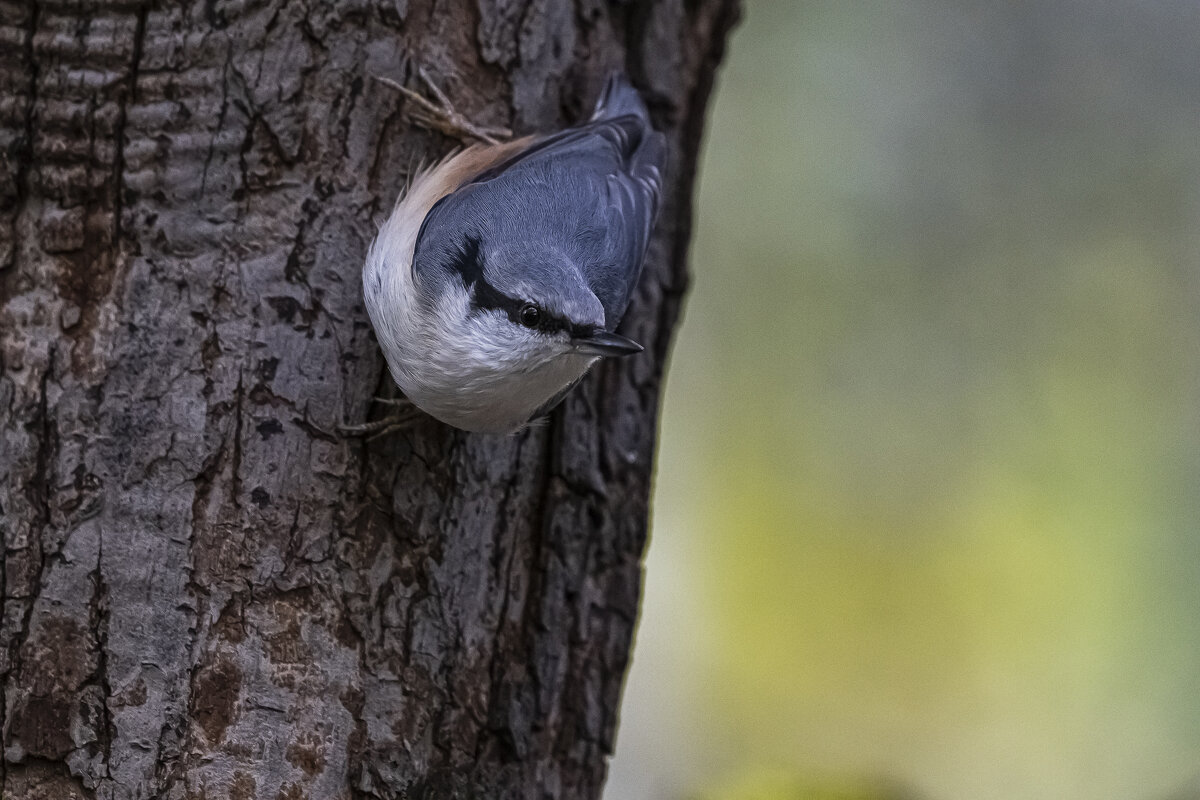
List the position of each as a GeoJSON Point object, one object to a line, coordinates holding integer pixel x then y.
{"type": "Point", "coordinates": [927, 514]}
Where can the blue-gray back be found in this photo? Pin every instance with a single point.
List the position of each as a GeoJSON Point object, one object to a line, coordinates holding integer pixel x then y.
{"type": "Point", "coordinates": [583, 199]}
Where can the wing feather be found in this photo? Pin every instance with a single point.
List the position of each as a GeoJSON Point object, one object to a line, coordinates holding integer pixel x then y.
{"type": "Point", "coordinates": [592, 191]}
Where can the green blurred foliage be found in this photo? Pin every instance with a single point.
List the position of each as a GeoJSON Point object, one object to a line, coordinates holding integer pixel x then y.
{"type": "Point", "coordinates": [927, 500]}
{"type": "Point", "coordinates": [785, 785]}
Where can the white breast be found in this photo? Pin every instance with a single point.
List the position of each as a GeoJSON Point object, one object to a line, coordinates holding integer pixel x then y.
{"type": "Point", "coordinates": [467, 375]}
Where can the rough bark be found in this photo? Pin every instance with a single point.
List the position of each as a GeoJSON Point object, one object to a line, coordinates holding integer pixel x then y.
{"type": "Point", "coordinates": [207, 595]}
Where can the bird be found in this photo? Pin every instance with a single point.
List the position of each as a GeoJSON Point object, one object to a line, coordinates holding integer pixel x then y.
{"type": "Point", "coordinates": [503, 270]}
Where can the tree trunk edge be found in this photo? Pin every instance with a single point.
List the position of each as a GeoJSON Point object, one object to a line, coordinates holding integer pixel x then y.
{"type": "Point", "coordinates": [205, 593]}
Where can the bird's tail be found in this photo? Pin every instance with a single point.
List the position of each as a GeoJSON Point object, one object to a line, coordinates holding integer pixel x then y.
{"type": "Point", "coordinates": [619, 99]}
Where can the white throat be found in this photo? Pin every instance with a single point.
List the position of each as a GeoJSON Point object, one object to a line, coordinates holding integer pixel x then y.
{"type": "Point", "coordinates": [460, 373]}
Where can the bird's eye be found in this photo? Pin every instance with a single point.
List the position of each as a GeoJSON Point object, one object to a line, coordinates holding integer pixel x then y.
{"type": "Point", "coordinates": [531, 315]}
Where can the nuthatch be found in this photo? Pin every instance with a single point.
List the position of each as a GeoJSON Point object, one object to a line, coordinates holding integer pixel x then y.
{"type": "Point", "coordinates": [501, 274]}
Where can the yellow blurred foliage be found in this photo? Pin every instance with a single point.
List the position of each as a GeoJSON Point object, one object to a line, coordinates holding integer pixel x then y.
{"type": "Point", "coordinates": [928, 499]}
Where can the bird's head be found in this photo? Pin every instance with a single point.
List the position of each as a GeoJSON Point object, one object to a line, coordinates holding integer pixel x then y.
{"type": "Point", "coordinates": [513, 299]}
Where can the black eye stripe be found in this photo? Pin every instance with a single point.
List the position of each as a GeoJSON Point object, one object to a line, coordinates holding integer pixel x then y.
{"type": "Point", "coordinates": [467, 262]}
{"type": "Point", "coordinates": [486, 297]}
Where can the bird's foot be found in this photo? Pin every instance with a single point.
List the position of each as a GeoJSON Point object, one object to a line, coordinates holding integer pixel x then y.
{"type": "Point", "coordinates": [396, 402]}
{"type": "Point", "coordinates": [402, 418]}
{"type": "Point", "coordinates": [442, 116]}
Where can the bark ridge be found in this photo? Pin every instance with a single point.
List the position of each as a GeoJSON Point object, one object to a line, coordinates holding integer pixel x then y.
{"type": "Point", "coordinates": [205, 594]}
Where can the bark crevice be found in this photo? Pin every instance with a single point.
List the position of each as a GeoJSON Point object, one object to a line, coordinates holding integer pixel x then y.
{"type": "Point", "coordinates": [205, 592]}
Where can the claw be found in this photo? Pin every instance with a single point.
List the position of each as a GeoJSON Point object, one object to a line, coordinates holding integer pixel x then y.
{"type": "Point", "coordinates": [393, 423]}
{"type": "Point", "coordinates": [442, 116]}
{"type": "Point", "coordinates": [396, 402]}
{"type": "Point", "coordinates": [381, 427]}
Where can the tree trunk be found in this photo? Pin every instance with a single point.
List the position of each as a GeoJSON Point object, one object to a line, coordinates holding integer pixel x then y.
{"type": "Point", "coordinates": [208, 595]}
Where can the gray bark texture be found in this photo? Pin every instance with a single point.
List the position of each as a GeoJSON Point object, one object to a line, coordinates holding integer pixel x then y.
{"type": "Point", "coordinates": [206, 594]}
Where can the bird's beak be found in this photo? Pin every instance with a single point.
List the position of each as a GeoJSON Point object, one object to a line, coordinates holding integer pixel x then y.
{"type": "Point", "coordinates": [603, 343]}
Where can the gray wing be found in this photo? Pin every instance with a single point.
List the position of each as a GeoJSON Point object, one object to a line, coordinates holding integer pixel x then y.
{"type": "Point", "coordinates": [591, 191]}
